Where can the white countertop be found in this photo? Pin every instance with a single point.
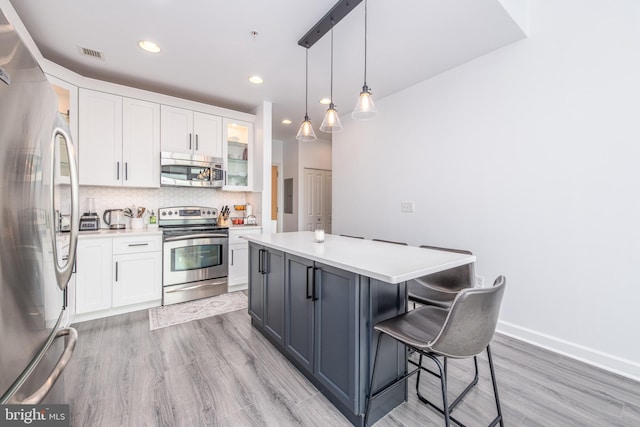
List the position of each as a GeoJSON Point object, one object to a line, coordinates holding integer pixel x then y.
{"type": "Point", "coordinates": [128, 232]}
{"type": "Point", "coordinates": [240, 227]}
{"type": "Point", "coordinates": [383, 261]}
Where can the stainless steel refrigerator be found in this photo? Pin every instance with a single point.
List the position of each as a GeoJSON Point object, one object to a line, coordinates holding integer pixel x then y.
{"type": "Point", "coordinates": [38, 178]}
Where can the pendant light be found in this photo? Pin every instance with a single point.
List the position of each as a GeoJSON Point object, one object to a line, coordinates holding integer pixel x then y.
{"type": "Point", "coordinates": [331, 122]}
{"type": "Point", "coordinates": [364, 109]}
{"type": "Point", "coordinates": [306, 133]}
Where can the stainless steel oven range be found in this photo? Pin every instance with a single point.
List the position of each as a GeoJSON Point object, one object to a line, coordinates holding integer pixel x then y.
{"type": "Point", "coordinates": [194, 253]}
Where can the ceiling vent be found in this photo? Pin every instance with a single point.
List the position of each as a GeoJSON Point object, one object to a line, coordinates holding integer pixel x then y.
{"type": "Point", "coordinates": [95, 54]}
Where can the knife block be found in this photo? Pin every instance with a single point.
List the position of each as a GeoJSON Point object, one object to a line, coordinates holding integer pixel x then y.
{"type": "Point", "coordinates": [223, 220]}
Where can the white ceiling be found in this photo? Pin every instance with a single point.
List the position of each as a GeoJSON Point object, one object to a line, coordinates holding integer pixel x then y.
{"type": "Point", "coordinates": [208, 51]}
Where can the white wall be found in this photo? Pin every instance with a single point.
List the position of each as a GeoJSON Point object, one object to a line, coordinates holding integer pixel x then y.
{"type": "Point", "coordinates": [527, 156]}
{"type": "Point", "coordinates": [297, 156]}
{"type": "Point", "coordinates": [290, 170]}
{"type": "Point", "coordinates": [277, 159]}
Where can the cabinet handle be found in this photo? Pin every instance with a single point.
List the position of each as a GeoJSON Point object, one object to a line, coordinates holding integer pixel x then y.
{"type": "Point", "coordinates": [126, 171]}
{"type": "Point", "coordinates": [260, 261]}
{"type": "Point", "coordinates": [265, 263]}
{"type": "Point", "coordinates": [196, 142]}
{"type": "Point", "coordinates": [138, 244]}
{"type": "Point", "coordinates": [309, 295]}
{"type": "Point", "coordinates": [231, 256]}
{"type": "Point", "coordinates": [313, 282]}
{"type": "Point", "coordinates": [189, 141]}
{"type": "Point", "coordinates": [118, 171]}
{"type": "Point", "coordinates": [116, 271]}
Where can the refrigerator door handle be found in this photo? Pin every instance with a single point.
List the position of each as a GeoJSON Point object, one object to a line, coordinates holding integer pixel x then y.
{"type": "Point", "coordinates": [38, 395]}
{"type": "Point", "coordinates": [63, 273]}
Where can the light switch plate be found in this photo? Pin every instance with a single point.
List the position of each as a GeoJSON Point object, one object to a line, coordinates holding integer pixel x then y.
{"type": "Point", "coordinates": [407, 206]}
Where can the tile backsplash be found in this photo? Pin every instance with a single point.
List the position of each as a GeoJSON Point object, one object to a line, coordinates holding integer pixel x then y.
{"type": "Point", "coordinates": [154, 198]}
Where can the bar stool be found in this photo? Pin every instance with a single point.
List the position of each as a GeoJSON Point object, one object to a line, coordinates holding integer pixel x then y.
{"type": "Point", "coordinates": [440, 289]}
{"type": "Point", "coordinates": [389, 241]}
{"type": "Point", "coordinates": [463, 331]}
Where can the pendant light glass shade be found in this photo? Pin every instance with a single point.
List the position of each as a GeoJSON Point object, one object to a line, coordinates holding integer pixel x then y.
{"type": "Point", "coordinates": [365, 109]}
{"type": "Point", "coordinates": [331, 122]}
{"type": "Point", "coordinates": [306, 133]}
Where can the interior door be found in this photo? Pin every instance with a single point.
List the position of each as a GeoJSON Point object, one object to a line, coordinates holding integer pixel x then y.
{"type": "Point", "coordinates": [317, 200]}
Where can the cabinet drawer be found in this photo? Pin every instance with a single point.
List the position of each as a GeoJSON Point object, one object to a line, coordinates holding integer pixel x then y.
{"type": "Point", "coordinates": [132, 245]}
{"type": "Point", "coordinates": [234, 235]}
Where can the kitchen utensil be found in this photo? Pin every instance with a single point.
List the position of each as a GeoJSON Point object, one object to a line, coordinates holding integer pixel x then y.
{"type": "Point", "coordinates": [89, 222]}
{"type": "Point", "coordinates": [115, 218]}
{"type": "Point", "coordinates": [140, 212]}
{"type": "Point", "coordinates": [91, 205]}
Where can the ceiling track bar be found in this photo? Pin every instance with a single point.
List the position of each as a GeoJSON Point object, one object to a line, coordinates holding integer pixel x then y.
{"type": "Point", "coordinates": [323, 26]}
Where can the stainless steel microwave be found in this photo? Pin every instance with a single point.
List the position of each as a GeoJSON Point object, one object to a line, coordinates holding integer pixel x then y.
{"type": "Point", "coordinates": [187, 170]}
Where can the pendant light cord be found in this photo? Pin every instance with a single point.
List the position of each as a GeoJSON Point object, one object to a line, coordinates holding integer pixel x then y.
{"type": "Point", "coordinates": [331, 91]}
{"type": "Point", "coordinates": [365, 42]}
{"type": "Point", "coordinates": [306, 84]}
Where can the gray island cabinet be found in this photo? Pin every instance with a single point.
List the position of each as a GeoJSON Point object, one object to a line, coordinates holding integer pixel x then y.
{"type": "Point", "coordinates": [318, 302]}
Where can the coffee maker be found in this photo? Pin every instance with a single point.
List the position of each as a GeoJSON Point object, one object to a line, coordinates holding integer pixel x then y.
{"type": "Point", "coordinates": [90, 219]}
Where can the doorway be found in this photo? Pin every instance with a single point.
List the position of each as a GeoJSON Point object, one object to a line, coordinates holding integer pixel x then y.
{"type": "Point", "coordinates": [317, 199]}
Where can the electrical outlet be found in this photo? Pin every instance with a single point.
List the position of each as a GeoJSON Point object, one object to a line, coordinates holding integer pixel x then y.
{"type": "Point", "coordinates": [407, 206]}
{"type": "Point", "coordinates": [479, 282]}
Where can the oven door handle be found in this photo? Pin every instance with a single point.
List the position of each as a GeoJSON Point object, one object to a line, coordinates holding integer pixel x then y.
{"type": "Point", "coordinates": [194, 236]}
{"type": "Point", "coordinates": [189, 288]}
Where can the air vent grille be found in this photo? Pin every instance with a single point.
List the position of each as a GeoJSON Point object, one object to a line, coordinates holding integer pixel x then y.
{"type": "Point", "coordinates": [95, 54]}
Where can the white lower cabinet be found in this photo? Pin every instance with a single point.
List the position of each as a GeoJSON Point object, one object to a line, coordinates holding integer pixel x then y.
{"type": "Point", "coordinates": [239, 256]}
{"type": "Point", "coordinates": [93, 275]}
{"type": "Point", "coordinates": [137, 278]}
{"type": "Point", "coordinates": [116, 272]}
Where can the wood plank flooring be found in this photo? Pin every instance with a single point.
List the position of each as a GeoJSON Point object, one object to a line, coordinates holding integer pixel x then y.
{"type": "Point", "coordinates": [218, 371]}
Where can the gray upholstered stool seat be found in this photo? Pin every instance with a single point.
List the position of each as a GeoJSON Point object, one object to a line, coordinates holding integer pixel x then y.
{"type": "Point", "coordinates": [441, 288]}
{"type": "Point", "coordinates": [463, 331]}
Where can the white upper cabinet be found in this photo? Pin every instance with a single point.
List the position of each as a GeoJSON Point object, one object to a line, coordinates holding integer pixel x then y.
{"type": "Point", "coordinates": [100, 138]}
{"type": "Point", "coordinates": [191, 132]}
{"type": "Point", "coordinates": [119, 141]}
{"type": "Point", "coordinates": [238, 153]}
{"type": "Point", "coordinates": [140, 143]}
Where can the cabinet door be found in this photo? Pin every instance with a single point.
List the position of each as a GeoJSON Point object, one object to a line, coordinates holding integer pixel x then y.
{"type": "Point", "coordinates": [274, 295]}
{"type": "Point", "coordinates": [299, 310]}
{"type": "Point", "coordinates": [93, 275]}
{"type": "Point", "coordinates": [238, 154]}
{"type": "Point", "coordinates": [176, 132]}
{"type": "Point", "coordinates": [137, 278]}
{"type": "Point", "coordinates": [100, 143]}
{"type": "Point", "coordinates": [141, 143]}
{"type": "Point", "coordinates": [208, 135]}
{"type": "Point", "coordinates": [256, 289]}
{"type": "Point", "coordinates": [238, 264]}
{"type": "Point", "coordinates": [335, 332]}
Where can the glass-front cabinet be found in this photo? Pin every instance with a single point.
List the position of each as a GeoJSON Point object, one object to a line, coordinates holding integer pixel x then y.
{"type": "Point", "coordinates": [67, 95]}
{"type": "Point", "coordinates": [238, 155]}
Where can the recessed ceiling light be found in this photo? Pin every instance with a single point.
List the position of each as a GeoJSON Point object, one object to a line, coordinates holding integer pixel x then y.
{"type": "Point", "coordinates": [286, 122]}
{"type": "Point", "coordinates": [256, 80]}
{"type": "Point", "coordinates": [325, 101]}
{"type": "Point", "coordinates": [149, 46]}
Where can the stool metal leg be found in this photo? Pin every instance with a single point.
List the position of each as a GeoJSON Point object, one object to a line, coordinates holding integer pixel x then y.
{"type": "Point", "coordinates": [495, 390]}
{"type": "Point", "coordinates": [373, 373]}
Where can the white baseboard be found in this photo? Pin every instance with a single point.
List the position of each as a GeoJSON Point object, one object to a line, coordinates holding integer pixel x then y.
{"type": "Point", "coordinates": [609, 362]}
{"type": "Point", "coordinates": [236, 288]}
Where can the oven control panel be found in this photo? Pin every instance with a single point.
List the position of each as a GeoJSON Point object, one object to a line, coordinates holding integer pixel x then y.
{"type": "Point", "coordinates": [188, 212]}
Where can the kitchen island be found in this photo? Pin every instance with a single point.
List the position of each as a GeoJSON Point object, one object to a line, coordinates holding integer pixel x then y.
{"type": "Point", "coordinates": [318, 303]}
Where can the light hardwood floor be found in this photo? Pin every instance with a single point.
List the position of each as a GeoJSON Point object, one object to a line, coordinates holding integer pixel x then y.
{"type": "Point", "coordinates": [218, 371]}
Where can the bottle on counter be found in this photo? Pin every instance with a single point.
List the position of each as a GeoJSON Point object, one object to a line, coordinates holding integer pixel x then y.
{"type": "Point", "coordinates": [153, 220]}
